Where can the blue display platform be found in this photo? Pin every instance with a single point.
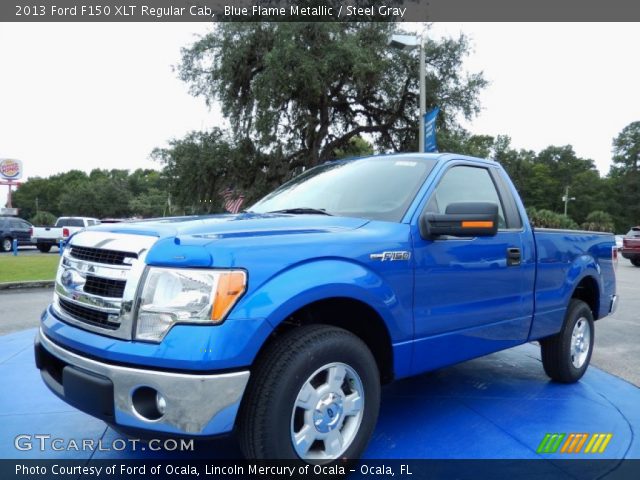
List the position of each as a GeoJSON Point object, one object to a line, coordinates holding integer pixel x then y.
{"type": "Point", "coordinates": [496, 407]}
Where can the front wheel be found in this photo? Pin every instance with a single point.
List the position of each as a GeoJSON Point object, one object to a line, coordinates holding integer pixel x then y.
{"type": "Point", "coordinates": [6, 244]}
{"type": "Point", "coordinates": [314, 396]}
{"type": "Point", "coordinates": [566, 356]}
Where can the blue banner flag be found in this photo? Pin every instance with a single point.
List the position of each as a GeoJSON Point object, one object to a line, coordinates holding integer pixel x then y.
{"type": "Point", "coordinates": [430, 143]}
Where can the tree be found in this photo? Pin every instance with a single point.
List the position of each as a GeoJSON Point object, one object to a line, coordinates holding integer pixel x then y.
{"type": "Point", "coordinates": [151, 203]}
{"type": "Point", "coordinates": [103, 197]}
{"type": "Point", "coordinates": [44, 193]}
{"type": "Point", "coordinates": [461, 141]}
{"type": "Point", "coordinates": [150, 195]}
{"type": "Point", "coordinates": [102, 193]}
{"type": "Point", "coordinates": [542, 178]}
{"type": "Point", "coordinates": [565, 170]}
{"type": "Point", "coordinates": [203, 164]}
{"type": "Point", "coordinates": [519, 166]}
{"type": "Point", "coordinates": [300, 92]}
{"type": "Point", "coordinates": [625, 173]}
{"type": "Point", "coordinates": [357, 147]}
{"type": "Point", "coordinates": [626, 148]}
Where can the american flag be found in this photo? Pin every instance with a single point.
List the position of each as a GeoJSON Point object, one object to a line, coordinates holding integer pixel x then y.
{"type": "Point", "coordinates": [232, 200]}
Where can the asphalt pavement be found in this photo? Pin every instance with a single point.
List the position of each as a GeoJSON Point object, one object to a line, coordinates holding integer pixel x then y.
{"type": "Point", "coordinates": [617, 348]}
{"type": "Point", "coordinates": [21, 309]}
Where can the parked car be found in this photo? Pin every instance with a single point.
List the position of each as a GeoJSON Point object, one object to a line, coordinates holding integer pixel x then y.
{"type": "Point", "coordinates": [14, 228]}
{"type": "Point", "coordinates": [46, 237]}
{"type": "Point", "coordinates": [631, 246]}
{"type": "Point", "coordinates": [281, 323]}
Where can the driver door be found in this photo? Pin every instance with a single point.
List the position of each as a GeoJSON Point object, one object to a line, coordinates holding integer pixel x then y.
{"type": "Point", "coordinates": [471, 298]}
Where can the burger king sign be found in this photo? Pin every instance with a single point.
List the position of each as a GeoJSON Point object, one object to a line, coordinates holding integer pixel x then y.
{"type": "Point", "coordinates": [10, 169]}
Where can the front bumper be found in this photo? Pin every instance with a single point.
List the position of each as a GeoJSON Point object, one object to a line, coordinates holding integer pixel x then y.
{"type": "Point", "coordinates": [197, 405]}
{"type": "Point", "coordinates": [46, 241]}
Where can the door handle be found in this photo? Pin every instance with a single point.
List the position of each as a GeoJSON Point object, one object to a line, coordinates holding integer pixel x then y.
{"type": "Point", "coordinates": [514, 257]}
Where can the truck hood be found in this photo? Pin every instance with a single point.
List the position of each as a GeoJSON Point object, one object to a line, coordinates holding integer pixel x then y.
{"type": "Point", "coordinates": [192, 241]}
{"type": "Point", "coordinates": [204, 229]}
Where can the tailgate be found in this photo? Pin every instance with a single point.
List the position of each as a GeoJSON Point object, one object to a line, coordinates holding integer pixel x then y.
{"type": "Point", "coordinates": [47, 232]}
{"type": "Point", "coordinates": [631, 243]}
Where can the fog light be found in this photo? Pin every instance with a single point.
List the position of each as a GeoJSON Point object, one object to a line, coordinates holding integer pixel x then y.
{"type": "Point", "coordinates": [161, 403]}
{"type": "Point", "coordinates": [148, 403]}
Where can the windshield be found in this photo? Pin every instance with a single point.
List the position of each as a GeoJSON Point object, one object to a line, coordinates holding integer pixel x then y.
{"type": "Point", "coordinates": [376, 188]}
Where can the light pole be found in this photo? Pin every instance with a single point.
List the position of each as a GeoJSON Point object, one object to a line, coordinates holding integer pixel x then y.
{"type": "Point", "coordinates": [409, 42]}
{"type": "Point", "coordinates": [566, 199]}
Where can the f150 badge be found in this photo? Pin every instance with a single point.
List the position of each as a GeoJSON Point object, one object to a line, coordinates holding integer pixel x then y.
{"type": "Point", "coordinates": [390, 256]}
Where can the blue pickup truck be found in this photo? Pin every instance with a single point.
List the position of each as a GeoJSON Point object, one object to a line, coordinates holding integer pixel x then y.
{"type": "Point", "coordinates": [282, 322]}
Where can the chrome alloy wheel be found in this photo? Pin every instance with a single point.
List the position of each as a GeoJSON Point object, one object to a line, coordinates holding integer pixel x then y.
{"type": "Point", "coordinates": [580, 342]}
{"type": "Point", "coordinates": [327, 413]}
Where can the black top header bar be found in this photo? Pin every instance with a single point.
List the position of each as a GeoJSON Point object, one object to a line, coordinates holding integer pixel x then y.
{"type": "Point", "coordinates": [317, 10]}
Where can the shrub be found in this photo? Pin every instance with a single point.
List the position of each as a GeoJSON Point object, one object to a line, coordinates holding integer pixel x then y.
{"type": "Point", "coordinates": [43, 218]}
{"type": "Point", "coordinates": [599, 221]}
{"type": "Point", "coordinates": [548, 219]}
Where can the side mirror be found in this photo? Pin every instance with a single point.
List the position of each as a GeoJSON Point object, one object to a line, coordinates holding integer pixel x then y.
{"type": "Point", "coordinates": [477, 219]}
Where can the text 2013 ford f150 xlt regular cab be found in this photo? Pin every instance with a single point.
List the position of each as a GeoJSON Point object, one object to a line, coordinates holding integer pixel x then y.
{"type": "Point", "coordinates": [282, 322]}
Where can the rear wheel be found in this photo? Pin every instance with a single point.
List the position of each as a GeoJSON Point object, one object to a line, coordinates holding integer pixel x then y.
{"type": "Point", "coordinates": [314, 396]}
{"type": "Point", "coordinates": [44, 248]}
{"type": "Point", "coordinates": [636, 261]}
{"type": "Point", "coordinates": [6, 244]}
{"type": "Point", "coordinates": [566, 356]}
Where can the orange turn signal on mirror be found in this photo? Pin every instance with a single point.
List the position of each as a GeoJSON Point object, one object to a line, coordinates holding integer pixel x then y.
{"type": "Point", "coordinates": [471, 224]}
{"type": "Point", "coordinates": [231, 286]}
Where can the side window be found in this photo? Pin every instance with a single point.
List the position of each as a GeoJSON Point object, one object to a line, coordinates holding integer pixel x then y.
{"type": "Point", "coordinates": [465, 184]}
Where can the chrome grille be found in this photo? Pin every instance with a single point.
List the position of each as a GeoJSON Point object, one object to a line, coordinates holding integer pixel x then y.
{"type": "Point", "coordinates": [104, 287]}
{"type": "Point", "coordinates": [101, 255]}
{"type": "Point", "coordinates": [88, 315]}
{"type": "Point", "coordinates": [97, 281]}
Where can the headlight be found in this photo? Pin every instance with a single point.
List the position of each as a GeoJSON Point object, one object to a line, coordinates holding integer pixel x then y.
{"type": "Point", "coordinates": [181, 295]}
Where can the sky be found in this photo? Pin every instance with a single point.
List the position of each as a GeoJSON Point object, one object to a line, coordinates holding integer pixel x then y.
{"type": "Point", "coordinates": [104, 95]}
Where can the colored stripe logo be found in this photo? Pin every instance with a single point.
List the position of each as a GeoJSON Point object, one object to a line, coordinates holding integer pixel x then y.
{"type": "Point", "coordinates": [574, 443]}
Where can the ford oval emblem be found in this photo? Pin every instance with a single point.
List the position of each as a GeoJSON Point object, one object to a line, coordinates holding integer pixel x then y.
{"type": "Point", "coordinates": [67, 278]}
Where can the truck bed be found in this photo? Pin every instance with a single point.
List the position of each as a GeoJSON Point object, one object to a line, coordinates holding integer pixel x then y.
{"type": "Point", "coordinates": [564, 258]}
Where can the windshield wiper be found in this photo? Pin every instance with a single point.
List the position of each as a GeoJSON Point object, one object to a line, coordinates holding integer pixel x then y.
{"type": "Point", "coordinates": [303, 211]}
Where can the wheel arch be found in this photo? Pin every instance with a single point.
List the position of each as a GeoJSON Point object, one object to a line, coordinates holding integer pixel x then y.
{"type": "Point", "coordinates": [588, 290]}
{"type": "Point", "coordinates": [348, 313]}
{"type": "Point", "coordinates": [356, 299]}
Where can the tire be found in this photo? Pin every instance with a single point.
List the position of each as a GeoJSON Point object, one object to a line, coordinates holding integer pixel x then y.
{"type": "Point", "coordinates": [636, 261]}
{"type": "Point", "coordinates": [44, 248]}
{"type": "Point", "coordinates": [566, 356]}
{"type": "Point", "coordinates": [291, 395]}
{"type": "Point", "coordinates": [6, 244]}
